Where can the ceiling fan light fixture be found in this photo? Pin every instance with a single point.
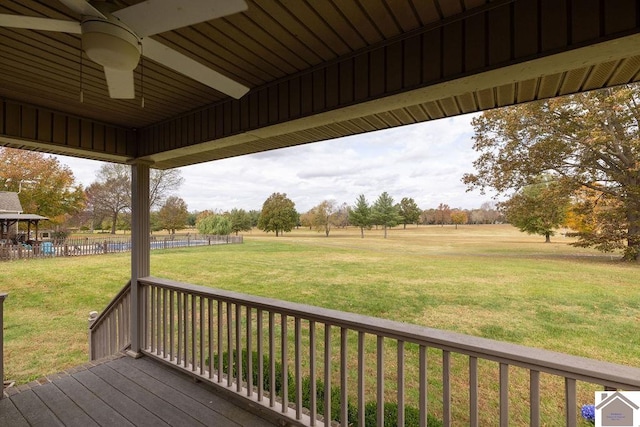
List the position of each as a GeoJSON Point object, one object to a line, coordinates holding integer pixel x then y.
{"type": "Point", "coordinates": [110, 44]}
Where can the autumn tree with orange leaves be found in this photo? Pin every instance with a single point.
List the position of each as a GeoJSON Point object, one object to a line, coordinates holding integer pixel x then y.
{"type": "Point", "coordinates": [46, 187]}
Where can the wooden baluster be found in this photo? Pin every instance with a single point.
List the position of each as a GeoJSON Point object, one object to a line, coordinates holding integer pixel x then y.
{"type": "Point", "coordinates": [423, 386]}
{"type": "Point", "coordinates": [504, 395]}
{"type": "Point", "coordinates": [185, 333]}
{"type": "Point", "coordinates": [179, 298]}
{"type": "Point", "coordinates": [220, 341]}
{"type": "Point", "coordinates": [570, 402]}
{"type": "Point", "coordinates": [172, 314]}
{"type": "Point", "coordinates": [260, 355]}
{"type": "Point", "coordinates": [158, 319]}
{"type": "Point", "coordinates": [229, 345]}
{"type": "Point", "coordinates": [298, 367]}
{"type": "Point", "coordinates": [211, 342]}
{"type": "Point", "coordinates": [272, 361]}
{"type": "Point", "coordinates": [312, 373]}
{"type": "Point", "coordinates": [202, 335]}
{"type": "Point", "coordinates": [284, 345]}
{"type": "Point", "coordinates": [344, 409]}
{"type": "Point", "coordinates": [473, 391]}
{"type": "Point", "coordinates": [361, 378]}
{"type": "Point", "coordinates": [194, 334]}
{"type": "Point", "coordinates": [534, 398]}
{"type": "Point", "coordinates": [446, 388]}
{"type": "Point", "coordinates": [238, 347]}
{"type": "Point", "coordinates": [249, 323]}
{"type": "Point", "coordinates": [400, 378]}
{"type": "Point", "coordinates": [380, 381]}
{"type": "Point", "coordinates": [327, 375]}
{"type": "Point", "coordinates": [165, 326]}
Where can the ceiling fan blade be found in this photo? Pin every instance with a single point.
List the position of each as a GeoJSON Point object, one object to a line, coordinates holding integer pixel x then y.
{"type": "Point", "coordinates": [184, 65]}
{"type": "Point", "coordinates": [157, 16]}
{"type": "Point", "coordinates": [42, 24]}
{"type": "Point", "coordinates": [83, 8]}
{"type": "Point", "coordinates": [120, 83]}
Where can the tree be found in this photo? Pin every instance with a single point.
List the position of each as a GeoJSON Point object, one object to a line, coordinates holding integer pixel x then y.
{"type": "Point", "coordinates": [173, 215]}
{"type": "Point", "coordinates": [590, 140]}
{"type": "Point", "coordinates": [255, 216]}
{"type": "Point", "coordinates": [360, 215]}
{"type": "Point", "coordinates": [490, 213]}
{"type": "Point", "coordinates": [191, 219]}
{"type": "Point", "coordinates": [459, 217]}
{"type": "Point", "coordinates": [306, 219]}
{"type": "Point", "coordinates": [110, 196]}
{"type": "Point", "coordinates": [341, 216]}
{"type": "Point", "coordinates": [45, 186]}
{"type": "Point", "coordinates": [593, 216]}
{"type": "Point", "coordinates": [385, 212]}
{"type": "Point", "coordinates": [278, 214]}
{"type": "Point", "coordinates": [443, 214]}
{"type": "Point", "coordinates": [240, 220]}
{"type": "Point", "coordinates": [163, 183]}
{"type": "Point", "coordinates": [409, 211]}
{"type": "Point", "coordinates": [538, 208]}
{"type": "Point", "coordinates": [322, 217]}
{"type": "Point", "coordinates": [428, 216]}
{"type": "Point", "coordinates": [215, 224]}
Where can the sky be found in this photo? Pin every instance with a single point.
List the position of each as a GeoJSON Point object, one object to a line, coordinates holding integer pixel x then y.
{"type": "Point", "coordinates": [424, 161]}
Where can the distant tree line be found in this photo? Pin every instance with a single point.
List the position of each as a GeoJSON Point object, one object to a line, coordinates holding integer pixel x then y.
{"type": "Point", "coordinates": [279, 215]}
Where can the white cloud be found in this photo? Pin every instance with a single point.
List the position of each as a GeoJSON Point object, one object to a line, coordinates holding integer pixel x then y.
{"type": "Point", "coordinates": [424, 161]}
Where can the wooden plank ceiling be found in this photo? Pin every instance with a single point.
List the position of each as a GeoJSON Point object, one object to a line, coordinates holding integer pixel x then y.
{"type": "Point", "coordinates": [317, 69]}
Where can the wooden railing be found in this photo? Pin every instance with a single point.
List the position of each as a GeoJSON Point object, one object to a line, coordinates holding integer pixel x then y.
{"type": "Point", "coordinates": [3, 296]}
{"type": "Point", "coordinates": [110, 331]}
{"type": "Point", "coordinates": [100, 246]}
{"type": "Point", "coordinates": [370, 362]}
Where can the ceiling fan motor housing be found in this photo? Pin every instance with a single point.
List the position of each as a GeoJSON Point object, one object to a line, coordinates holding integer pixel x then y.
{"type": "Point", "coordinates": [110, 44]}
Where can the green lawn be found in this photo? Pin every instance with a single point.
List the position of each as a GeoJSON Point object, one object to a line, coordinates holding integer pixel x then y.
{"type": "Point", "coordinates": [490, 281]}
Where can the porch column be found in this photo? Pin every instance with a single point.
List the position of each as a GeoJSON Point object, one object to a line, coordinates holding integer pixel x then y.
{"type": "Point", "coordinates": [140, 247]}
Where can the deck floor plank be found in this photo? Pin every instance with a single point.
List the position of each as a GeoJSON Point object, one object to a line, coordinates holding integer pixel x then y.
{"type": "Point", "coordinates": [63, 407]}
{"type": "Point", "coordinates": [203, 413]}
{"type": "Point", "coordinates": [124, 392]}
{"type": "Point", "coordinates": [198, 393]}
{"type": "Point", "coordinates": [161, 408]}
{"type": "Point", "coordinates": [113, 397]}
{"type": "Point", "coordinates": [10, 416]}
{"type": "Point", "coordinates": [102, 413]}
{"type": "Point", "coordinates": [34, 410]}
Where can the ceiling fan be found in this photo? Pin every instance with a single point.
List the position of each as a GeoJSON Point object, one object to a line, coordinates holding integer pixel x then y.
{"type": "Point", "coordinates": [115, 38]}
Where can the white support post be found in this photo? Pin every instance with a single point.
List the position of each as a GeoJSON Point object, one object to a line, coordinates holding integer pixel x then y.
{"type": "Point", "coordinates": [140, 247]}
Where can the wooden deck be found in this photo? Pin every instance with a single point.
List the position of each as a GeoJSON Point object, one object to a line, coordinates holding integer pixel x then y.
{"type": "Point", "coordinates": [121, 391]}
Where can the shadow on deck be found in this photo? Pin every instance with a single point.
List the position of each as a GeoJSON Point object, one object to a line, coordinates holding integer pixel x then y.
{"type": "Point", "coordinates": [121, 391]}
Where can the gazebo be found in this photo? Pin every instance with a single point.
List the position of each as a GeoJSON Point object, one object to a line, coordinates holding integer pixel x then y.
{"type": "Point", "coordinates": [7, 220]}
{"type": "Point", "coordinates": [11, 213]}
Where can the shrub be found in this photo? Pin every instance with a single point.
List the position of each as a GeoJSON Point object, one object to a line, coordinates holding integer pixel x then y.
{"type": "Point", "coordinates": [352, 411]}
{"type": "Point", "coordinates": [411, 414]}
{"type": "Point", "coordinates": [266, 380]}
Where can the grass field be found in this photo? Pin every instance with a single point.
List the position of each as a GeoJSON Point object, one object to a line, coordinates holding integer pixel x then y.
{"type": "Point", "coordinates": [489, 281]}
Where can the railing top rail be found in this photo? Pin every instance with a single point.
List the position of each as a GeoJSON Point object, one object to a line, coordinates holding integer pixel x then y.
{"type": "Point", "coordinates": [513, 354]}
{"type": "Point", "coordinates": [125, 289]}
